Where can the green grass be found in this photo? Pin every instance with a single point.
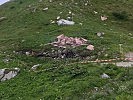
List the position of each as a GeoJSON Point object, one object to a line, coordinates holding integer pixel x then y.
{"type": "Point", "coordinates": [58, 80]}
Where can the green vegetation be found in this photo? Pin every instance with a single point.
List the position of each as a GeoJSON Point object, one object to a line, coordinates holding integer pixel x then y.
{"type": "Point", "coordinates": [28, 27]}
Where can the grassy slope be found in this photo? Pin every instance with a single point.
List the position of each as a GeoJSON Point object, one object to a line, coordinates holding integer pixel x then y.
{"type": "Point", "coordinates": [77, 81]}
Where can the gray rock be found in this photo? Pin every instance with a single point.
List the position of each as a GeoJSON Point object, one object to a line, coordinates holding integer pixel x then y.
{"type": "Point", "coordinates": [6, 74]}
{"type": "Point", "coordinates": [124, 64]}
{"type": "Point", "coordinates": [35, 67]}
{"type": "Point", "coordinates": [104, 76]}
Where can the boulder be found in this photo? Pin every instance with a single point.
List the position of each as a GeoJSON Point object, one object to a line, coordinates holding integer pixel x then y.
{"type": "Point", "coordinates": [6, 74]}
{"type": "Point", "coordinates": [65, 22]}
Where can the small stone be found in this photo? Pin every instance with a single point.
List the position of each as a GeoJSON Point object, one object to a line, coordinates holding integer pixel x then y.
{"type": "Point", "coordinates": [50, 0]}
{"type": "Point", "coordinates": [90, 47]}
{"type": "Point", "coordinates": [35, 67]}
{"type": "Point", "coordinates": [100, 34]}
{"type": "Point", "coordinates": [65, 22]}
{"type": "Point", "coordinates": [27, 53]}
{"type": "Point", "coordinates": [105, 76]}
{"type": "Point", "coordinates": [95, 12]}
{"type": "Point", "coordinates": [40, 0]}
{"type": "Point", "coordinates": [58, 17]}
{"type": "Point", "coordinates": [2, 18]}
{"type": "Point", "coordinates": [45, 9]}
{"type": "Point", "coordinates": [103, 18]}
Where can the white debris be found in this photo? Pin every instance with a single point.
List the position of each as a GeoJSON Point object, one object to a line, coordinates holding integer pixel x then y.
{"type": "Point", "coordinates": [6, 74]}
{"type": "Point", "coordinates": [65, 22]}
{"type": "Point", "coordinates": [45, 9]}
{"type": "Point", "coordinates": [104, 75]}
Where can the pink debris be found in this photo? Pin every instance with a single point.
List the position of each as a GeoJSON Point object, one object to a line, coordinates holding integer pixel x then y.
{"type": "Point", "coordinates": [64, 41]}
{"type": "Point", "coordinates": [90, 47]}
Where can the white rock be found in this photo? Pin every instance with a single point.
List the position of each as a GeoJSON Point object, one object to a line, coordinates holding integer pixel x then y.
{"type": "Point", "coordinates": [100, 34]}
{"type": "Point", "coordinates": [58, 17]}
{"type": "Point", "coordinates": [27, 53]}
{"type": "Point", "coordinates": [90, 47]}
{"type": "Point", "coordinates": [95, 12]}
{"type": "Point", "coordinates": [6, 74]}
{"type": "Point", "coordinates": [35, 67]}
{"type": "Point", "coordinates": [103, 18]}
{"type": "Point", "coordinates": [86, 4]}
{"type": "Point", "coordinates": [104, 75]}
{"type": "Point", "coordinates": [70, 12]}
{"type": "Point", "coordinates": [65, 22]}
{"type": "Point", "coordinates": [45, 9]}
{"type": "Point", "coordinates": [2, 18]}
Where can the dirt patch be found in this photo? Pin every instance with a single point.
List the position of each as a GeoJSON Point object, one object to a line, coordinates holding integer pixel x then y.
{"type": "Point", "coordinates": [50, 51]}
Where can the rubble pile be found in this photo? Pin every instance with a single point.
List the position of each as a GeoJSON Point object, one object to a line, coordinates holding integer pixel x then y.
{"type": "Point", "coordinates": [64, 41]}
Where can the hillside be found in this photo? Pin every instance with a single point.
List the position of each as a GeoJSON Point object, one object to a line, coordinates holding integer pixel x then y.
{"type": "Point", "coordinates": [26, 28]}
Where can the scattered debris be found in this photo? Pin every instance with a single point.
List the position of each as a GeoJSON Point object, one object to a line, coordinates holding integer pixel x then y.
{"type": "Point", "coordinates": [65, 22]}
{"type": "Point", "coordinates": [105, 76]}
{"type": "Point", "coordinates": [6, 74]}
{"type": "Point", "coordinates": [103, 18]}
